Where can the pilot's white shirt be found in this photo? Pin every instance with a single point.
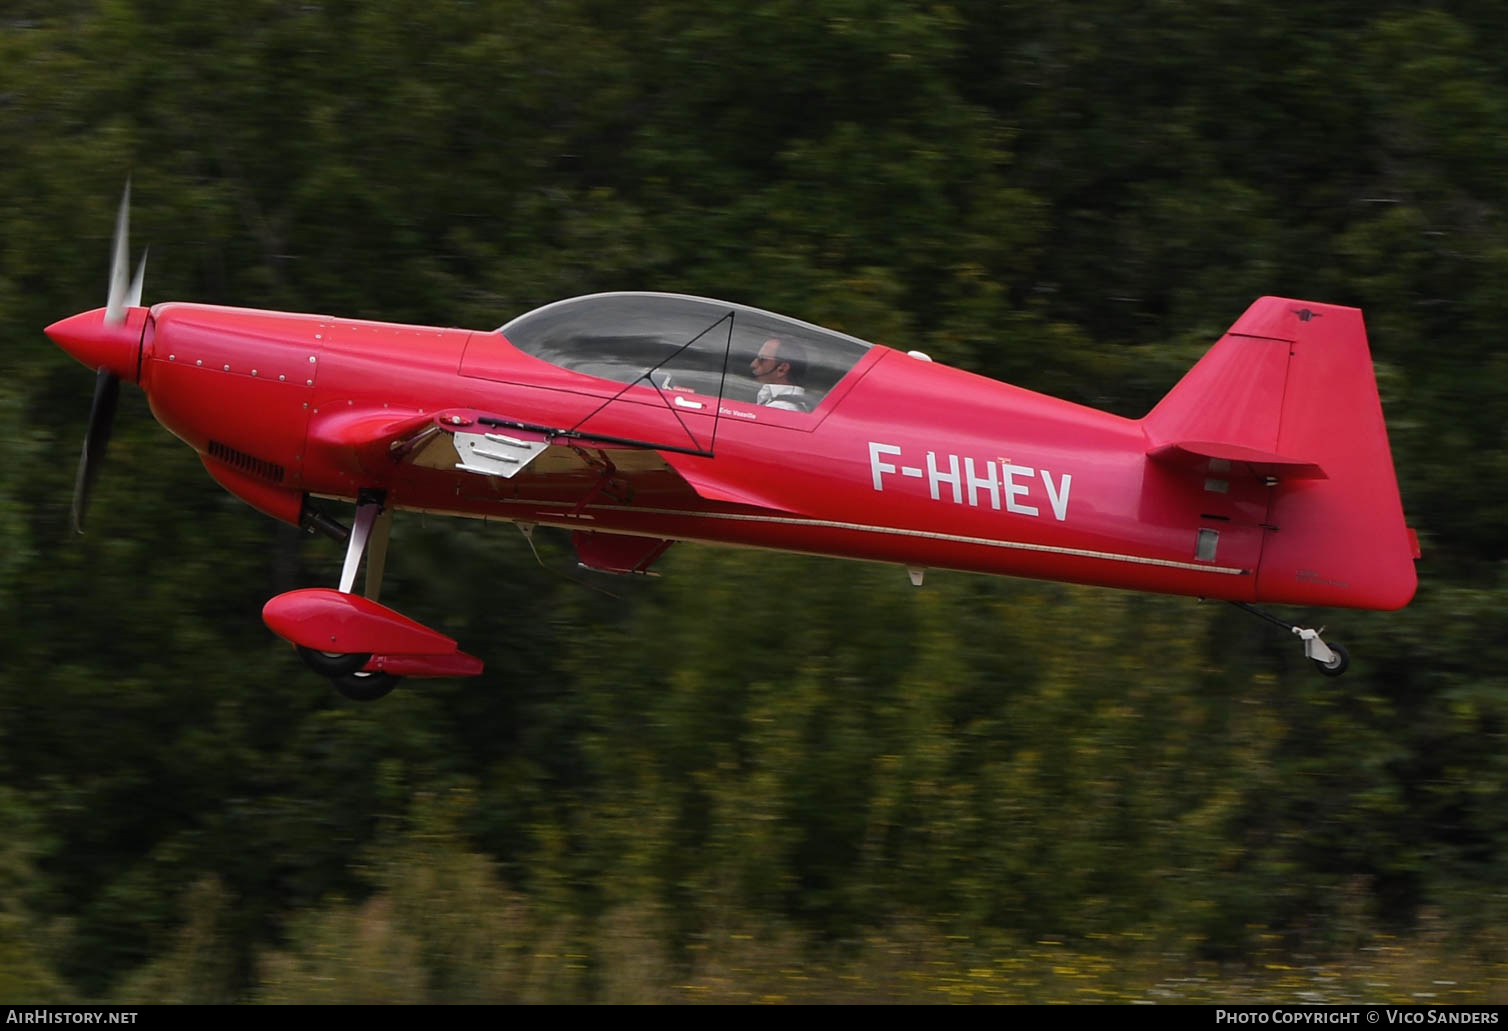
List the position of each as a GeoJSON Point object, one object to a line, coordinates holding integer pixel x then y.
{"type": "Point", "coordinates": [770, 394]}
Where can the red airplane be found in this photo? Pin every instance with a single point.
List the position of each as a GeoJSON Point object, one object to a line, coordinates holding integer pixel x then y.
{"type": "Point", "coordinates": [636, 420]}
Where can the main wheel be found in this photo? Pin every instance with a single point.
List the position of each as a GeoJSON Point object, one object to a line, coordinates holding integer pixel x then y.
{"type": "Point", "coordinates": [333, 664]}
{"type": "Point", "coordinates": [1339, 665]}
{"type": "Point", "coordinates": [365, 687]}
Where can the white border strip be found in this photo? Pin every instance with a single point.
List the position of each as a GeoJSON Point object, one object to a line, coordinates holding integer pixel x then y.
{"type": "Point", "coordinates": [952, 538]}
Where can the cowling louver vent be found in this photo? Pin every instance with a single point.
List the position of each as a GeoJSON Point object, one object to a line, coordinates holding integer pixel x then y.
{"type": "Point", "coordinates": [246, 463]}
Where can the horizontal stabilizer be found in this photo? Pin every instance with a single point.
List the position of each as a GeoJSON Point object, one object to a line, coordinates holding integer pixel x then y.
{"type": "Point", "coordinates": [1208, 458]}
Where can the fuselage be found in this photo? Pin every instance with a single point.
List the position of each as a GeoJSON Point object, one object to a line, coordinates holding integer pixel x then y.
{"type": "Point", "coordinates": [903, 460]}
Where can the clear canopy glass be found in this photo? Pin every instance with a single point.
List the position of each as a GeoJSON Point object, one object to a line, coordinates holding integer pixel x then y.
{"type": "Point", "coordinates": [687, 343]}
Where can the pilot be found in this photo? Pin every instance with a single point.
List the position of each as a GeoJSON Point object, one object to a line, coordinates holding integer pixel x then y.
{"type": "Point", "coordinates": [780, 366]}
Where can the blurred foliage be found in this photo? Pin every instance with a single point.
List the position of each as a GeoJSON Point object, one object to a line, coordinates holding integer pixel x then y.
{"type": "Point", "coordinates": [761, 776]}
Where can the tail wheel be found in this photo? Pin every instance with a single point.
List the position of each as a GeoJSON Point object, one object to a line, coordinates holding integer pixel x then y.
{"type": "Point", "coordinates": [1338, 665]}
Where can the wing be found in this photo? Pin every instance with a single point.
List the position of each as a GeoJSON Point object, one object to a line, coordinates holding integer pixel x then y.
{"type": "Point", "coordinates": [498, 465]}
{"type": "Point", "coordinates": [373, 447]}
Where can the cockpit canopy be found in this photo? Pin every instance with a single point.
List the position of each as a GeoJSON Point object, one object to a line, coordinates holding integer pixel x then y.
{"type": "Point", "coordinates": [685, 343]}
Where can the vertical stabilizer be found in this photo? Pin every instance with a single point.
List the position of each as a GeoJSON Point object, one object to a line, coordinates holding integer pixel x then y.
{"type": "Point", "coordinates": [1288, 396]}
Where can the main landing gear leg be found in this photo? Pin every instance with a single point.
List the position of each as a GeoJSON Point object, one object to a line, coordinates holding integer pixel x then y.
{"type": "Point", "coordinates": [369, 536]}
{"type": "Point", "coordinates": [373, 522]}
{"type": "Point", "coordinates": [361, 645]}
{"type": "Point", "coordinates": [1331, 659]}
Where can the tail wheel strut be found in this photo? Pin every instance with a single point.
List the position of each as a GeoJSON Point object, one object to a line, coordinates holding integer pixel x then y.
{"type": "Point", "coordinates": [1331, 659]}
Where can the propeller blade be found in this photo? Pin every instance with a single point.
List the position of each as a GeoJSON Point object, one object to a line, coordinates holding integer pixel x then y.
{"type": "Point", "coordinates": [120, 262]}
{"type": "Point", "coordinates": [133, 299]}
{"type": "Point", "coordinates": [101, 421]}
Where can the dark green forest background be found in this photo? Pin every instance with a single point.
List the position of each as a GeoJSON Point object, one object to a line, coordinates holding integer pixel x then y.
{"type": "Point", "coordinates": [761, 776]}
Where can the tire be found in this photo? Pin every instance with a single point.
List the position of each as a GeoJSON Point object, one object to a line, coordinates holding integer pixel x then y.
{"type": "Point", "coordinates": [365, 687]}
{"type": "Point", "coordinates": [1341, 664]}
{"type": "Point", "coordinates": [333, 664]}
